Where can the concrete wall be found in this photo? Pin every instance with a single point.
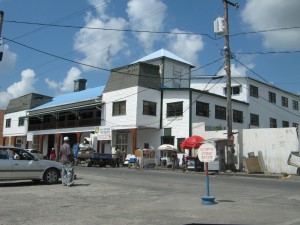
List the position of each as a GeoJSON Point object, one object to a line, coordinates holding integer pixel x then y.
{"type": "Point", "coordinates": [275, 145]}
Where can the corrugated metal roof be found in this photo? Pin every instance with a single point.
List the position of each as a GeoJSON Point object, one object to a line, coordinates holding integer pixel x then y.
{"type": "Point", "coordinates": [163, 53]}
{"type": "Point", "coordinates": [72, 97]}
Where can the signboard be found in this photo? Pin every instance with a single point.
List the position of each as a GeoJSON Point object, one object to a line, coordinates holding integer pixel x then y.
{"type": "Point", "coordinates": [103, 133]}
{"type": "Point", "coordinates": [29, 137]}
{"type": "Point", "coordinates": [207, 152]}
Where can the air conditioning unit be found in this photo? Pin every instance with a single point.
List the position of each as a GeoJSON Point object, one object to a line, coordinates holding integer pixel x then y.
{"type": "Point", "coordinates": [219, 26]}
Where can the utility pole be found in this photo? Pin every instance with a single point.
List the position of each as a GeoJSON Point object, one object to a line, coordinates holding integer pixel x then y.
{"type": "Point", "coordinates": [1, 40]}
{"type": "Point", "coordinates": [230, 138]}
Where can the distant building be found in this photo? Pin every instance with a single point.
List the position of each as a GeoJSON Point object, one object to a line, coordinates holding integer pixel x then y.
{"type": "Point", "coordinates": [15, 125]}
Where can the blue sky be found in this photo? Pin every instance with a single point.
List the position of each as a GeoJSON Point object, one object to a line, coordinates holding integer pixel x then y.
{"type": "Point", "coordinates": [29, 47]}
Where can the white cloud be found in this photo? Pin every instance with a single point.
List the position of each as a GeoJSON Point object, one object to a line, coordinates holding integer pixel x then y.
{"type": "Point", "coordinates": [67, 85]}
{"type": "Point", "coordinates": [99, 47]}
{"type": "Point", "coordinates": [4, 99]}
{"type": "Point", "coordinates": [8, 61]}
{"type": "Point", "coordinates": [191, 44]}
{"type": "Point", "coordinates": [147, 15]}
{"type": "Point", "coordinates": [20, 88]}
{"type": "Point", "coordinates": [265, 15]}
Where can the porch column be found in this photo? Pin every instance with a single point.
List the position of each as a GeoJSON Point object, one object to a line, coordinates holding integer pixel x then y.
{"type": "Point", "coordinates": [78, 136]}
{"type": "Point", "coordinates": [133, 136]}
{"type": "Point", "coordinates": [41, 142]}
{"type": "Point", "coordinates": [57, 144]}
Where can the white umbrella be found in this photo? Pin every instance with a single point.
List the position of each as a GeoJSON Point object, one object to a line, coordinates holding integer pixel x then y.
{"type": "Point", "coordinates": [167, 147]}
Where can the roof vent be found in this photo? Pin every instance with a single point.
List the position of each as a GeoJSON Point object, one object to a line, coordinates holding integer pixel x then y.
{"type": "Point", "coordinates": [79, 85]}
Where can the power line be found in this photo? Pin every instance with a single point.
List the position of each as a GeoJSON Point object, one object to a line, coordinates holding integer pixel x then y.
{"type": "Point", "coordinates": [110, 29]}
{"type": "Point", "coordinates": [265, 53]}
{"type": "Point", "coordinates": [262, 31]}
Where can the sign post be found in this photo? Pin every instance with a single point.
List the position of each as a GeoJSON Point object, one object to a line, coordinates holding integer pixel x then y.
{"type": "Point", "coordinates": [207, 153]}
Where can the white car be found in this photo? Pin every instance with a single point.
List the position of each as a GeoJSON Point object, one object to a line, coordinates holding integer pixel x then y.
{"type": "Point", "coordinates": [19, 164]}
{"type": "Point", "coordinates": [36, 153]}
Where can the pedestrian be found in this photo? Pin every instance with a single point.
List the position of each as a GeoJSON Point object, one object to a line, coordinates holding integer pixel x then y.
{"type": "Point", "coordinates": [52, 154]}
{"type": "Point", "coordinates": [67, 160]}
{"type": "Point", "coordinates": [118, 157]}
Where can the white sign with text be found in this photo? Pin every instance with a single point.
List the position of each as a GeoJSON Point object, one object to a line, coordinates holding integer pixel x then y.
{"type": "Point", "coordinates": [207, 152]}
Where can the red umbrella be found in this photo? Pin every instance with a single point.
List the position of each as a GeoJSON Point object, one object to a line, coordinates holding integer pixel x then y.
{"type": "Point", "coordinates": [192, 142]}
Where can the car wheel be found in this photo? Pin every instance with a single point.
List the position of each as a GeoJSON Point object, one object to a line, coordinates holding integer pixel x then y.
{"type": "Point", "coordinates": [51, 176]}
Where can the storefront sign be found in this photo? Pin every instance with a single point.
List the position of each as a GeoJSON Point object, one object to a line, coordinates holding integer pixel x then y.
{"type": "Point", "coordinates": [103, 133]}
{"type": "Point", "coordinates": [207, 152]}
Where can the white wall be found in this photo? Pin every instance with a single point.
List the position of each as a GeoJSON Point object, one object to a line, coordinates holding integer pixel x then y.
{"type": "Point", "coordinates": [211, 122]}
{"type": "Point", "coordinates": [217, 86]}
{"type": "Point", "coordinates": [179, 124]}
{"type": "Point", "coordinates": [275, 145]}
{"type": "Point", "coordinates": [123, 121]}
{"type": "Point", "coordinates": [151, 136]}
{"type": "Point", "coordinates": [15, 129]}
{"type": "Point", "coordinates": [146, 94]}
{"type": "Point", "coordinates": [266, 110]}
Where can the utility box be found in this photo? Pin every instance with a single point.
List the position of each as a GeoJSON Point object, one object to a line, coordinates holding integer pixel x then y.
{"type": "Point", "coordinates": [219, 26]}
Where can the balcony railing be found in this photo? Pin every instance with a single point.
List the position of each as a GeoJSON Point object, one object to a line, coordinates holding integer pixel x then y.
{"type": "Point", "coordinates": [64, 124]}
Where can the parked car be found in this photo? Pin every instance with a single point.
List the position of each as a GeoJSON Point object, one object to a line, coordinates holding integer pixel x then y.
{"type": "Point", "coordinates": [36, 153]}
{"type": "Point", "coordinates": [19, 164]}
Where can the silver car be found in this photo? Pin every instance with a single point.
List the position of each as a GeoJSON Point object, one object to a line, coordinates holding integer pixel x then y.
{"type": "Point", "coordinates": [19, 164]}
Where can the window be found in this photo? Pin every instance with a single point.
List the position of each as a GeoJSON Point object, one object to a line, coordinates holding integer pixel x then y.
{"type": "Point", "coordinates": [8, 123]}
{"type": "Point", "coordinates": [295, 125]}
{"type": "Point", "coordinates": [253, 91]}
{"type": "Point", "coordinates": [122, 141]}
{"type": "Point", "coordinates": [21, 121]}
{"type": "Point", "coordinates": [220, 112]}
{"type": "Point", "coordinates": [149, 108]}
{"type": "Point", "coordinates": [179, 141]}
{"type": "Point", "coordinates": [237, 116]}
{"type": "Point", "coordinates": [295, 105]}
{"type": "Point", "coordinates": [273, 123]}
{"type": "Point", "coordinates": [167, 131]}
{"type": "Point", "coordinates": [284, 101]}
{"type": "Point", "coordinates": [254, 119]}
{"type": "Point", "coordinates": [202, 109]}
{"type": "Point", "coordinates": [119, 108]}
{"type": "Point", "coordinates": [174, 109]}
{"type": "Point", "coordinates": [236, 90]}
{"type": "Point", "coordinates": [285, 123]}
{"type": "Point", "coordinates": [272, 97]}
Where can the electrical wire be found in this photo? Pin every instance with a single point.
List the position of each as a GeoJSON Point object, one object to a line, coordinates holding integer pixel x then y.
{"type": "Point", "coordinates": [109, 29]}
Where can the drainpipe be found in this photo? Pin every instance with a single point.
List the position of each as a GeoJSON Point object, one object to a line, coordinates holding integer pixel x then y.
{"type": "Point", "coordinates": [162, 75]}
{"type": "Point", "coordinates": [191, 113]}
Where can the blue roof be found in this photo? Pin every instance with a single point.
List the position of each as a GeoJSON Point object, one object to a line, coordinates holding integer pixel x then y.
{"type": "Point", "coordinates": [73, 97]}
{"type": "Point", "coordinates": [163, 53]}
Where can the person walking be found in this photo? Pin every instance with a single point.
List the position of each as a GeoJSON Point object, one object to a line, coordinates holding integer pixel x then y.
{"type": "Point", "coordinates": [67, 160]}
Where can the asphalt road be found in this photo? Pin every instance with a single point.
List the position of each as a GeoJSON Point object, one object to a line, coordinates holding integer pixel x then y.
{"type": "Point", "coordinates": [130, 196]}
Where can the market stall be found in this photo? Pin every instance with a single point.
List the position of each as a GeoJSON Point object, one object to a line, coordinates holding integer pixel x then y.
{"type": "Point", "coordinates": [146, 158]}
{"type": "Point", "coordinates": [168, 155]}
